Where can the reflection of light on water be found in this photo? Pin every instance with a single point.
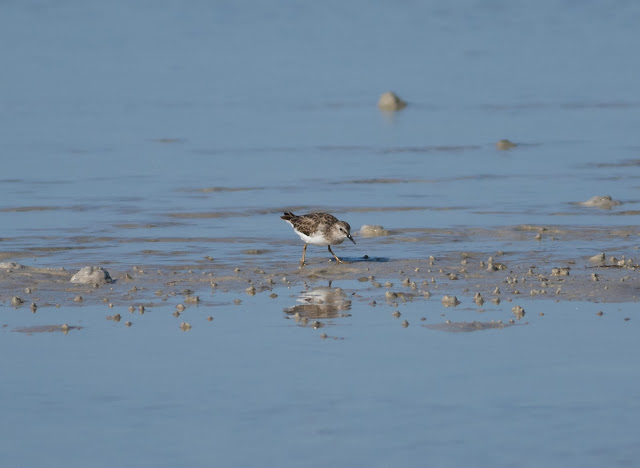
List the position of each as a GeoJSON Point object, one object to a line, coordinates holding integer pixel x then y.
{"type": "Point", "coordinates": [323, 302]}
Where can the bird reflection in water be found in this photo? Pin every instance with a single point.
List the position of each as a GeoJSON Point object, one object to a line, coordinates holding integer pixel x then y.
{"type": "Point", "coordinates": [320, 303]}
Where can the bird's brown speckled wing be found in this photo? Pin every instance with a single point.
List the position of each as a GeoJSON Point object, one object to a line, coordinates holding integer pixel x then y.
{"type": "Point", "coordinates": [308, 224]}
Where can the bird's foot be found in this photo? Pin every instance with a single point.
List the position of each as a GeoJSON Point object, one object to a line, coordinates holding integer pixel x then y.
{"type": "Point", "coordinates": [341, 261]}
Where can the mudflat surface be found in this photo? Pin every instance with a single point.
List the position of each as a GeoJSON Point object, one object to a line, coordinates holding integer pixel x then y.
{"type": "Point", "coordinates": [488, 320]}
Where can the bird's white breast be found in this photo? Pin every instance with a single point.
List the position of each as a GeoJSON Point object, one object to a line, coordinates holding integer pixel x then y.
{"type": "Point", "coordinates": [315, 239]}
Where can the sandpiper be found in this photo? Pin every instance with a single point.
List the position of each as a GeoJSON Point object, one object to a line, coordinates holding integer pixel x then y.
{"type": "Point", "coordinates": [319, 229]}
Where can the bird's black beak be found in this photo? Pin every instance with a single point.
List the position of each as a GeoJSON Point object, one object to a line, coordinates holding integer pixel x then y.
{"type": "Point", "coordinates": [351, 238]}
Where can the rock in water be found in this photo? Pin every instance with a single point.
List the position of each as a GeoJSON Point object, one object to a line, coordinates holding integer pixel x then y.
{"type": "Point", "coordinates": [505, 144]}
{"type": "Point", "coordinates": [11, 266]}
{"type": "Point", "coordinates": [369, 230]}
{"type": "Point", "coordinates": [390, 101]}
{"type": "Point", "coordinates": [92, 275]}
{"type": "Point", "coordinates": [601, 201]}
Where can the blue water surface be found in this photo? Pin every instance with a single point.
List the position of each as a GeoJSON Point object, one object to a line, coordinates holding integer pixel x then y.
{"type": "Point", "coordinates": [117, 118]}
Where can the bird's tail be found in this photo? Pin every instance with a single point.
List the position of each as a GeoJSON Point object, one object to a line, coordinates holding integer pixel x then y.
{"type": "Point", "coordinates": [288, 216]}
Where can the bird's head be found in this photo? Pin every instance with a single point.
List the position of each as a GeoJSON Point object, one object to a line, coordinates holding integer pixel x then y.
{"type": "Point", "coordinates": [342, 230]}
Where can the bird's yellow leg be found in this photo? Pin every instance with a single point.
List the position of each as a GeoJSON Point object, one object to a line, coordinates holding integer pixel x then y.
{"type": "Point", "coordinates": [335, 256]}
{"type": "Point", "coordinates": [304, 252]}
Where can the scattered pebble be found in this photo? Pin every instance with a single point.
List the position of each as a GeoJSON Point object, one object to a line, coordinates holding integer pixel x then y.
{"type": "Point", "coordinates": [518, 311]}
{"type": "Point", "coordinates": [396, 314]}
{"type": "Point", "coordinates": [505, 144]}
{"type": "Point", "coordinates": [390, 295]}
{"type": "Point", "coordinates": [405, 324]}
{"type": "Point", "coordinates": [128, 324]}
{"type": "Point", "coordinates": [495, 266]}
{"type": "Point", "coordinates": [16, 301]}
{"type": "Point", "coordinates": [185, 326]}
{"type": "Point", "coordinates": [478, 299]}
{"type": "Point", "coordinates": [450, 301]}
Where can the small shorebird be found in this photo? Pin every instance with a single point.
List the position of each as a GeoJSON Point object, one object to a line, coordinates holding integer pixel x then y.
{"type": "Point", "coordinates": [319, 229]}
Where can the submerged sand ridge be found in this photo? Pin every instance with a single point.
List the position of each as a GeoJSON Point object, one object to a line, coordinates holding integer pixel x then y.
{"type": "Point", "coordinates": [443, 271]}
{"type": "Point", "coordinates": [383, 280]}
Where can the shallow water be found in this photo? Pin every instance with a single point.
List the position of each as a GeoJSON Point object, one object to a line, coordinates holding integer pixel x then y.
{"type": "Point", "coordinates": [254, 384]}
{"type": "Point", "coordinates": [167, 134]}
